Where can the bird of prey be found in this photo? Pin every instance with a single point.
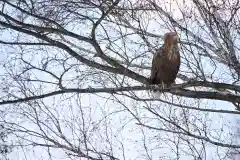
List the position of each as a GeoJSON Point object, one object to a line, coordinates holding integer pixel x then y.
{"type": "Point", "coordinates": [166, 61]}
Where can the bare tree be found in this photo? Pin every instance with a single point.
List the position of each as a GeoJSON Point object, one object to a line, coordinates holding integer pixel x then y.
{"type": "Point", "coordinates": [75, 79]}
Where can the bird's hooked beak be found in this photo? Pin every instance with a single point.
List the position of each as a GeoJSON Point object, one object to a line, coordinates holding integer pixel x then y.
{"type": "Point", "coordinates": [176, 38]}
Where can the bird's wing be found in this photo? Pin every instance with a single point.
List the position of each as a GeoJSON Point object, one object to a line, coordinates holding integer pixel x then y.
{"type": "Point", "coordinates": [176, 65]}
{"type": "Point", "coordinates": [157, 65]}
{"type": "Point", "coordinates": [172, 67]}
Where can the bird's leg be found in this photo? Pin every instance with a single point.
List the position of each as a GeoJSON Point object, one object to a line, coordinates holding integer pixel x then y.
{"type": "Point", "coordinates": [156, 87]}
{"type": "Point", "coordinates": [163, 86]}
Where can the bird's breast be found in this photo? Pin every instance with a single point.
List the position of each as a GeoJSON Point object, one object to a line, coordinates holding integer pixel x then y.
{"type": "Point", "coordinates": [173, 57]}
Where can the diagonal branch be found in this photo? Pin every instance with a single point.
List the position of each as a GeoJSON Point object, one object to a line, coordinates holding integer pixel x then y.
{"type": "Point", "coordinates": [194, 136]}
{"type": "Point", "coordinates": [119, 69]}
{"type": "Point", "coordinates": [24, 43]}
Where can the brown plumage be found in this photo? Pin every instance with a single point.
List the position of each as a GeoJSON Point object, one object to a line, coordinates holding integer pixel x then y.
{"type": "Point", "coordinates": [166, 61]}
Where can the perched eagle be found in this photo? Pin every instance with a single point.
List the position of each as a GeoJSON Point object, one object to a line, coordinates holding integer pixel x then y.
{"type": "Point", "coordinates": [166, 61]}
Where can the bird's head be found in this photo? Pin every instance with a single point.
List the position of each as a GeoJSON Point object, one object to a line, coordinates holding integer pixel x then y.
{"type": "Point", "coordinates": [171, 41]}
{"type": "Point", "coordinates": [171, 38]}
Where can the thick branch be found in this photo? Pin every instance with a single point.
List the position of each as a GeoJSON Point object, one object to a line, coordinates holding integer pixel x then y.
{"type": "Point", "coordinates": [175, 89]}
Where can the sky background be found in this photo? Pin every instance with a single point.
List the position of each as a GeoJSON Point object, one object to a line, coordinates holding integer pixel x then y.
{"type": "Point", "coordinates": [121, 125]}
